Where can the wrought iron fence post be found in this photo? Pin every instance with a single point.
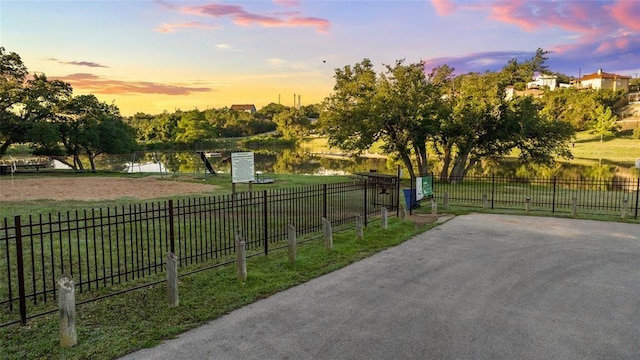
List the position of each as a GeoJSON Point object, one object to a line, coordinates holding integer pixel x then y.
{"type": "Point", "coordinates": [493, 189]}
{"type": "Point", "coordinates": [553, 199]}
{"type": "Point", "coordinates": [172, 243]}
{"type": "Point", "coordinates": [366, 212]}
{"type": "Point", "coordinates": [264, 222]}
{"type": "Point", "coordinates": [411, 181]}
{"type": "Point", "coordinates": [398, 193]}
{"type": "Point", "coordinates": [635, 216]}
{"type": "Point", "coordinates": [20, 263]}
{"type": "Point", "coordinates": [324, 201]}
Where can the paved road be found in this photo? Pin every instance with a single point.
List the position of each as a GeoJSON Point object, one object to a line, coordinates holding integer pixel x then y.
{"type": "Point", "coordinates": [479, 286]}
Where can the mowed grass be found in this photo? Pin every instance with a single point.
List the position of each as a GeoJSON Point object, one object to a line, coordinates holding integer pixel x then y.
{"type": "Point", "coordinates": [621, 149]}
{"type": "Point", "coordinates": [115, 326]}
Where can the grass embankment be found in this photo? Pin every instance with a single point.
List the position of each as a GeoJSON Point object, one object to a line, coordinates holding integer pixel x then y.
{"type": "Point", "coordinates": [115, 326]}
{"type": "Point", "coordinates": [623, 149]}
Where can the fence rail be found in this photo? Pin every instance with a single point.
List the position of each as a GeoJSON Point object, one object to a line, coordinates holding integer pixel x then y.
{"type": "Point", "coordinates": [103, 247]}
{"type": "Point", "coordinates": [599, 197]}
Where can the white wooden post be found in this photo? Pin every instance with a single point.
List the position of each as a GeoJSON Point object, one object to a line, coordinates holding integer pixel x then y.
{"type": "Point", "coordinates": [403, 213]}
{"type": "Point", "coordinates": [241, 258]}
{"type": "Point", "coordinates": [527, 205]}
{"type": "Point", "coordinates": [67, 307]}
{"type": "Point", "coordinates": [624, 208]}
{"type": "Point", "coordinates": [360, 226]}
{"type": "Point", "coordinates": [434, 206]}
{"type": "Point", "coordinates": [445, 200]}
{"type": "Point", "coordinates": [485, 201]}
{"type": "Point", "coordinates": [384, 217]}
{"type": "Point", "coordinates": [172, 280]}
{"type": "Point", "coordinates": [291, 242]}
{"type": "Point", "coordinates": [328, 235]}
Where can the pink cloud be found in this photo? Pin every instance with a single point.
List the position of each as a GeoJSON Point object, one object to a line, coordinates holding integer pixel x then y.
{"type": "Point", "coordinates": [240, 16]}
{"type": "Point", "coordinates": [605, 34]}
{"type": "Point", "coordinates": [627, 13]}
{"type": "Point", "coordinates": [99, 85]}
{"type": "Point", "coordinates": [167, 28]}
{"type": "Point", "coordinates": [588, 19]}
{"type": "Point", "coordinates": [444, 7]}
{"type": "Point", "coordinates": [513, 12]}
{"type": "Point", "coordinates": [581, 17]}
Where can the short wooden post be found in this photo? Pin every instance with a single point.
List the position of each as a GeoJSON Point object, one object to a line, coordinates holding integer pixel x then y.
{"type": "Point", "coordinates": [403, 213]}
{"type": "Point", "coordinates": [291, 243]}
{"type": "Point", "coordinates": [624, 208]}
{"type": "Point", "coordinates": [574, 208]}
{"type": "Point", "coordinates": [360, 226]}
{"type": "Point", "coordinates": [434, 206]}
{"type": "Point", "coordinates": [241, 258]}
{"type": "Point", "coordinates": [172, 280]}
{"type": "Point", "coordinates": [328, 235]}
{"type": "Point", "coordinates": [67, 307]}
{"type": "Point", "coordinates": [384, 217]}
{"type": "Point", "coordinates": [527, 205]}
{"type": "Point", "coordinates": [445, 200]}
{"type": "Point", "coordinates": [485, 201]}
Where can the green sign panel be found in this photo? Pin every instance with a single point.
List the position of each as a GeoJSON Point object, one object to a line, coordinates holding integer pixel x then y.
{"type": "Point", "coordinates": [424, 187]}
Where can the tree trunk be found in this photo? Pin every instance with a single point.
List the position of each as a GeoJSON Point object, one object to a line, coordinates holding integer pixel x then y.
{"type": "Point", "coordinates": [446, 161]}
{"type": "Point", "coordinates": [407, 163]}
{"type": "Point", "coordinates": [459, 166]}
{"type": "Point", "coordinates": [4, 147]}
{"type": "Point", "coordinates": [471, 164]}
{"type": "Point", "coordinates": [423, 158]}
{"type": "Point", "coordinates": [77, 162]}
{"type": "Point", "coordinates": [92, 158]}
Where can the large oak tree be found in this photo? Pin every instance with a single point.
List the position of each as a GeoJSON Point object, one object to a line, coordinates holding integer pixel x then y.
{"type": "Point", "coordinates": [465, 119]}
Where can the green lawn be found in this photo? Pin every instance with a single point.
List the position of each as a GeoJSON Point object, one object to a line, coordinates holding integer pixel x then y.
{"type": "Point", "coordinates": [622, 149]}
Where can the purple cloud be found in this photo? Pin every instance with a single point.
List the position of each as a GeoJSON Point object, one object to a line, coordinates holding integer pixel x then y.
{"type": "Point", "coordinates": [605, 32]}
{"type": "Point", "coordinates": [78, 63]}
{"type": "Point", "coordinates": [100, 85]}
{"type": "Point", "coordinates": [240, 16]}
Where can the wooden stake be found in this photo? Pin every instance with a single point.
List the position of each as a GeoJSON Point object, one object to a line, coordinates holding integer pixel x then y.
{"type": "Point", "coordinates": [172, 280]}
{"type": "Point", "coordinates": [241, 258]}
{"type": "Point", "coordinates": [360, 226]}
{"type": "Point", "coordinates": [67, 307]}
{"type": "Point", "coordinates": [291, 242]}
{"type": "Point", "coordinates": [385, 217]}
{"type": "Point", "coordinates": [328, 235]}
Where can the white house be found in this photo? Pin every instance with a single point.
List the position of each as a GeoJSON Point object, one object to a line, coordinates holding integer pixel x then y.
{"type": "Point", "coordinates": [541, 81]}
{"type": "Point", "coordinates": [603, 80]}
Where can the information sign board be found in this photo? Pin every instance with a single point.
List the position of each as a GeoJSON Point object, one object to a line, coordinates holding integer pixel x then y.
{"type": "Point", "coordinates": [242, 167]}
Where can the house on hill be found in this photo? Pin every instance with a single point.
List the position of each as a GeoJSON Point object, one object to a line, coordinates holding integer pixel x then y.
{"type": "Point", "coordinates": [603, 80]}
{"type": "Point", "coordinates": [542, 81]}
{"type": "Point", "coordinates": [250, 108]}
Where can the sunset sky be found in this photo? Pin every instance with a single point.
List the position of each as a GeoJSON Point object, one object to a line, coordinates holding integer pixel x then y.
{"type": "Point", "coordinates": [151, 56]}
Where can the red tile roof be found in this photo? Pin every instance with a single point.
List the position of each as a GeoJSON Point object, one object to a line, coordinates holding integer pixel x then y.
{"type": "Point", "coordinates": [603, 75]}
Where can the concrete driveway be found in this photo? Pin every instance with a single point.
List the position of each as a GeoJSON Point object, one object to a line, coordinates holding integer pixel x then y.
{"type": "Point", "coordinates": [479, 286]}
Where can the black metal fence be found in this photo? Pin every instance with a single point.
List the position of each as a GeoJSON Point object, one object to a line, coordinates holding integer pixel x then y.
{"type": "Point", "coordinates": [597, 197]}
{"type": "Point", "coordinates": [103, 247]}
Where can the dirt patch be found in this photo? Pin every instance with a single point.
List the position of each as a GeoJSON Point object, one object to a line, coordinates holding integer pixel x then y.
{"type": "Point", "coordinates": [422, 219]}
{"type": "Point", "coordinates": [96, 188]}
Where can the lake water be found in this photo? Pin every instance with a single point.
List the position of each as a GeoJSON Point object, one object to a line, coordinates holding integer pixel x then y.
{"type": "Point", "coordinates": [288, 161]}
